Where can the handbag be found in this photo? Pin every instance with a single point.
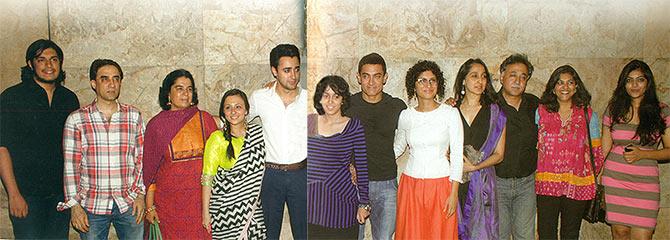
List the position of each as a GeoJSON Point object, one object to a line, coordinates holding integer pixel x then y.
{"type": "Point", "coordinates": [595, 208]}
{"type": "Point", "coordinates": [155, 232]}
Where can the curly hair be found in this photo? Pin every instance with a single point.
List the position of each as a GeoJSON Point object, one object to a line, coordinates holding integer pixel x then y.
{"type": "Point", "coordinates": [581, 98]}
{"type": "Point", "coordinates": [651, 125]}
{"type": "Point", "coordinates": [339, 86]}
{"type": "Point", "coordinates": [488, 96]}
{"type": "Point", "coordinates": [230, 153]}
{"type": "Point", "coordinates": [416, 70]}
{"type": "Point", "coordinates": [164, 91]}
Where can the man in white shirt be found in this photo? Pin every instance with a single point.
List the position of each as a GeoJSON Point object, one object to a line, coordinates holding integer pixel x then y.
{"type": "Point", "coordinates": [282, 109]}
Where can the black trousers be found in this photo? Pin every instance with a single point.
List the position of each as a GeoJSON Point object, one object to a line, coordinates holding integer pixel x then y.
{"type": "Point", "coordinates": [321, 232]}
{"type": "Point", "coordinates": [548, 211]}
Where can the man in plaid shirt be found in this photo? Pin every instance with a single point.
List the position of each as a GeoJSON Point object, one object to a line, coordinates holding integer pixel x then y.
{"type": "Point", "coordinates": [102, 145]}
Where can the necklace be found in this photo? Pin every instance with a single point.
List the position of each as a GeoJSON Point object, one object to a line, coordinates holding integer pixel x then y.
{"type": "Point", "coordinates": [565, 120]}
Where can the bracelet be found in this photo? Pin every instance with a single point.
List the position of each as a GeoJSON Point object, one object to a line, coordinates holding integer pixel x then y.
{"type": "Point", "coordinates": [366, 207]}
{"type": "Point", "coordinates": [150, 209]}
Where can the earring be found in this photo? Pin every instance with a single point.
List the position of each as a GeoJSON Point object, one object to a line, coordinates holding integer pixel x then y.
{"type": "Point", "coordinates": [192, 104]}
{"type": "Point", "coordinates": [462, 92]}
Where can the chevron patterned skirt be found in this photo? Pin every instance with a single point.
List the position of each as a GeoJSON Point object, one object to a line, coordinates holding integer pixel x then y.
{"type": "Point", "coordinates": [235, 204]}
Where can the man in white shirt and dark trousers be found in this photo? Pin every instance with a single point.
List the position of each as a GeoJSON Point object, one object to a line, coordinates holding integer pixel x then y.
{"type": "Point", "coordinates": [282, 109]}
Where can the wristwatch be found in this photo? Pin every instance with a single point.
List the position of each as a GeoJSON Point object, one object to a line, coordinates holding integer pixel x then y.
{"type": "Point", "coordinates": [365, 206]}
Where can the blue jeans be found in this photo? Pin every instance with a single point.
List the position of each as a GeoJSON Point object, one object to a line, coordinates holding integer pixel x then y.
{"type": "Point", "coordinates": [516, 207]}
{"type": "Point", "coordinates": [285, 187]}
{"type": "Point", "coordinates": [43, 220]}
{"type": "Point", "coordinates": [124, 223]}
{"type": "Point", "coordinates": [383, 200]}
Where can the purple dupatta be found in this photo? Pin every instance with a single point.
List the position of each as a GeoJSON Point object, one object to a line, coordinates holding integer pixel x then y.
{"type": "Point", "coordinates": [479, 217]}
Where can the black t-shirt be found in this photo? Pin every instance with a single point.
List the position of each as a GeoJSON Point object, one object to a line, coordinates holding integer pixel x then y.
{"type": "Point", "coordinates": [380, 121]}
{"type": "Point", "coordinates": [520, 158]}
{"type": "Point", "coordinates": [32, 131]}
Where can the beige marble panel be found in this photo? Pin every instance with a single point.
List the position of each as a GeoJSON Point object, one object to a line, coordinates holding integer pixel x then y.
{"type": "Point", "coordinates": [134, 33]}
{"type": "Point", "coordinates": [576, 29]}
{"type": "Point", "coordinates": [220, 78]}
{"type": "Point", "coordinates": [433, 29]}
{"type": "Point", "coordinates": [333, 29]}
{"type": "Point", "coordinates": [657, 29]}
{"type": "Point", "coordinates": [23, 22]}
{"type": "Point", "coordinates": [243, 32]}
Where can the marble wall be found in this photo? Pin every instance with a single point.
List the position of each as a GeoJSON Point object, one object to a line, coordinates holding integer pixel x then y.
{"type": "Point", "coordinates": [225, 44]}
{"type": "Point", "coordinates": [596, 37]}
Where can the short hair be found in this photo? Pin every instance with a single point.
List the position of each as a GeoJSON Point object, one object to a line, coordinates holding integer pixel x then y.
{"type": "Point", "coordinates": [230, 151]}
{"type": "Point", "coordinates": [99, 63]}
{"type": "Point", "coordinates": [339, 86]}
{"type": "Point", "coordinates": [35, 50]}
{"type": "Point", "coordinates": [373, 59]}
{"type": "Point", "coordinates": [517, 58]}
{"type": "Point", "coordinates": [164, 92]}
{"type": "Point", "coordinates": [416, 70]}
{"type": "Point", "coordinates": [283, 50]}
{"type": "Point", "coordinates": [582, 97]}
{"type": "Point", "coordinates": [488, 96]}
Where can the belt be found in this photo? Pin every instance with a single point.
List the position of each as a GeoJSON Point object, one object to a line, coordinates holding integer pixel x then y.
{"type": "Point", "coordinates": [287, 167]}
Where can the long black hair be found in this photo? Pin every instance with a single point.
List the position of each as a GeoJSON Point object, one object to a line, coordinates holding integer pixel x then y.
{"type": "Point", "coordinates": [582, 97]}
{"type": "Point", "coordinates": [651, 124]}
{"type": "Point", "coordinates": [230, 154]}
{"type": "Point", "coordinates": [488, 96]}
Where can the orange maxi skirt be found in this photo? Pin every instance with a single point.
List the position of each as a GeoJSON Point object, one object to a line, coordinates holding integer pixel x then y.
{"type": "Point", "coordinates": [420, 212]}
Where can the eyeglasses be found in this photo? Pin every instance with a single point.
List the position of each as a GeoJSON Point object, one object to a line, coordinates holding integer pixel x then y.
{"type": "Point", "coordinates": [427, 82]}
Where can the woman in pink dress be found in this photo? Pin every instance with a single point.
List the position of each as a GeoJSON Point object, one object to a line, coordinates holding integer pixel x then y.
{"type": "Point", "coordinates": [633, 126]}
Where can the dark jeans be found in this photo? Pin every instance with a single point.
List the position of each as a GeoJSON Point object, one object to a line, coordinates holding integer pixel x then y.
{"type": "Point", "coordinates": [321, 232]}
{"type": "Point", "coordinates": [43, 221]}
{"type": "Point", "coordinates": [548, 210]}
{"type": "Point", "coordinates": [285, 187]}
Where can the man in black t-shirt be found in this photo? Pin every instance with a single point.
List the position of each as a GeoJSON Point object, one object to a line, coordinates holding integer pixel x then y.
{"type": "Point", "coordinates": [379, 113]}
{"type": "Point", "coordinates": [515, 175]}
{"type": "Point", "coordinates": [32, 116]}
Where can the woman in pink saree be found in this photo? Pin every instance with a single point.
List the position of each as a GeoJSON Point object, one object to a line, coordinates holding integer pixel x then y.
{"type": "Point", "coordinates": [173, 150]}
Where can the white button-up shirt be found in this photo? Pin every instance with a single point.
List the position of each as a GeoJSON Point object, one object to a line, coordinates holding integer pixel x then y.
{"type": "Point", "coordinates": [429, 136]}
{"type": "Point", "coordinates": [284, 127]}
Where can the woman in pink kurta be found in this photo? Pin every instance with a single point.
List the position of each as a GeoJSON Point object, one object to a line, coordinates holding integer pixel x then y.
{"type": "Point", "coordinates": [173, 151]}
{"type": "Point", "coordinates": [565, 178]}
{"type": "Point", "coordinates": [633, 126]}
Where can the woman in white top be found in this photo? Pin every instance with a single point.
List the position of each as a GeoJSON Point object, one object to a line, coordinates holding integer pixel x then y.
{"type": "Point", "coordinates": [428, 191]}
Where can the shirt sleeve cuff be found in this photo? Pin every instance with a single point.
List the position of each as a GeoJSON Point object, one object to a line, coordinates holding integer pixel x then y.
{"type": "Point", "coordinates": [66, 205]}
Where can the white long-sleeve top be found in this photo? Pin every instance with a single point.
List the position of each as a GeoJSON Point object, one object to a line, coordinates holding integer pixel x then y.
{"type": "Point", "coordinates": [429, 136]}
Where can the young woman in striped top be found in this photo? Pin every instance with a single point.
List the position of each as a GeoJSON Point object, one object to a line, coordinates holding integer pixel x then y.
{"type": "Point", "coordinates": [633, 125]}
{"type": "Point", "coordinates": [337, 197]}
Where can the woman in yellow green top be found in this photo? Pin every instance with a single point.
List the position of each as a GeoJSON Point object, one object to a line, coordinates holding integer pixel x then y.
{"type": "Point", "coordinates": [232, 173]}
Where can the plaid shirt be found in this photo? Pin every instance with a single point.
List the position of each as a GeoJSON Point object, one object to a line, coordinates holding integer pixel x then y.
{"type": "Point", "coordinates": [103, 160]}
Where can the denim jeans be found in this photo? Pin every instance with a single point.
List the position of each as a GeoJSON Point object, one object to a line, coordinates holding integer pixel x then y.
{"type": "Point", "coordinates": [285, 187]}
{"type": "Point", "coordinates": [43, 220]}
{"type": "Point", "coordinates": [124, 223]}
{"type": "Point", "coordinates": [383, 200]}
{"type": "Point", "coordinates": [516, 207]}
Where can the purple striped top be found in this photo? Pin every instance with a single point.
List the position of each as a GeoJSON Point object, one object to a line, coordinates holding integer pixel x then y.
{"type": "Point", "coordinates": [332, 198]}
